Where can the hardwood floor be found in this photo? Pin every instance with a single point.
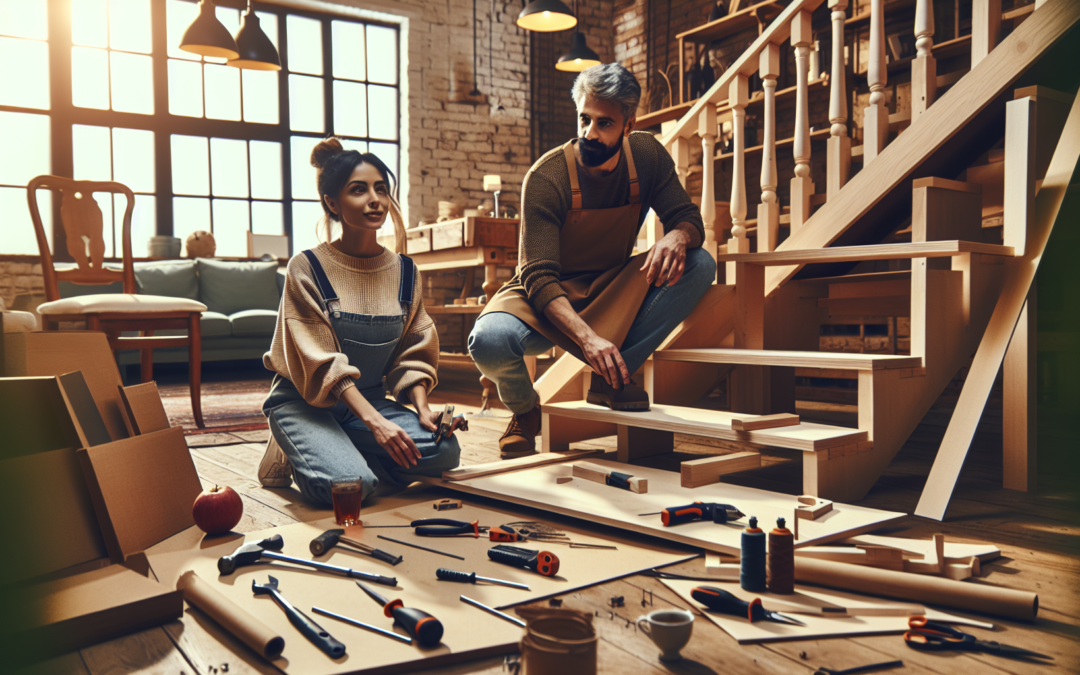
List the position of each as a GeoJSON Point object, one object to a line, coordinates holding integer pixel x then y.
{"type": "Point", "coordinates": [1037, 534]}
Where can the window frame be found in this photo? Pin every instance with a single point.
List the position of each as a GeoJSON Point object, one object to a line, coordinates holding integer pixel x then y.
{"type": "Point", "coordinates": [63, 115]}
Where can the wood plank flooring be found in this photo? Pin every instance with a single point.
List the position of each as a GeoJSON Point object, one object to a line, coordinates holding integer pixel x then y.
{"type": "Point", "coordinates": [1037, 534]}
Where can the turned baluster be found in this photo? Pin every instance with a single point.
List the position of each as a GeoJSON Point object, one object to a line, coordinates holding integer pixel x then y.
{"type": "Point", "coordinates": [801, 185]}
{"type": "Point", "coordinates": [738, 97]}
{"type": "Point", "coordinates": [707, 130]}
{"type": "Point", "coordinates": [924, 67]}
{"type": "Point", "coordinates": [680, 154]}
{"type": "Point", "coordinates": [768, 218]}
{"type": "Point", "coordinates": [839, 147]}
{"type": "Point", "coordinates": [876, 115]}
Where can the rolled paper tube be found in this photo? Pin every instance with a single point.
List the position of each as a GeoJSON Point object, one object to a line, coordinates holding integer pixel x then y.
{"type": "Point", "coordinates": [1005, 602]}
{"type": "Point", "coordinates": [231, 617]}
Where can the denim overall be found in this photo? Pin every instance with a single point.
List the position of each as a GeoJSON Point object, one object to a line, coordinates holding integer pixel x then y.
{"type": "Point", "coordinates": [327, 443]}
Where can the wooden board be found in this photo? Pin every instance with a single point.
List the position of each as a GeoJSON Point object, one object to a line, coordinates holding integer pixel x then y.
{"type": "Point", "coordinates": [600, 504]}
{"type": "Point", "coordinates": [1021, 274]}
{"type": "Point", "coordinates": [922, 249]}
{"type": "Point", "coordinates": [771, 357]}
{"type": "Point", "coordinates": [711, 424]}
{"type": "Point", "coordinates": [925, 547]}
{"type": "Point", "coordinates": [697, 472]}
{"type": "Point", "coordinates": [599, 474]}
{"type": "Point", "coordinates": [470, 632]}
{"type": "Point", "coordinates": [816, 626]}
{"type": "Point", "coordinates": [144, 407]}
{"type": "Point", "coordinates": [765, 422]}
{"type": "Point", "coordinates": [515, 464]}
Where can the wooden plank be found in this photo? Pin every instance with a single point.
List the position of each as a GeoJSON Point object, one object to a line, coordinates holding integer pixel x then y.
{"type": "Point", "coordinates": [600, 474]}
{"type": "Point", "coordinates": [1048, 204]}
{"type": "Point", "coordinates": [765, 422]}
{"type": "Point", "coordinates": [930, 249]}
{"type": "Point", "coordinates": [697, 472]}
{"type": "Point", "coordinates": [144, 407]}
{"type": "Point", "coordinates": [586, 500]}
{"type": "Point", "coordinates": [769, 357]}
{"type": "Point", "coordinates": [1019, 196]}
{"type": "Point", "coordinates": [805, 436]}
{"type": "Point", "coordinates": [516, 464]}
{"type": "Point", "coordinates": [1019, 428]}
{"type": "Point", "coordinates": [960, 106]}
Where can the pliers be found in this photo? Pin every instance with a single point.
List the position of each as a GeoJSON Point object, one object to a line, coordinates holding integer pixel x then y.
{"type": "Point", "coordinates": [447, 527]}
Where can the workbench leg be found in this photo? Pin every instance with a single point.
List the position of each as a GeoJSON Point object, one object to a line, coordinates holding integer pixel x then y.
{"type": "Point", "coordinates": [636, 443]}
{"type": "Point", "coordinates": [491, 286]}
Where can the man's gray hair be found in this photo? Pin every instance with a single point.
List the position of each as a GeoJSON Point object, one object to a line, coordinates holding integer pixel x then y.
{"type": "Point", "coordinates": [608, 82]}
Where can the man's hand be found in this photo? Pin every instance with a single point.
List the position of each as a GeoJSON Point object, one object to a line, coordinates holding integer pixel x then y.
{"type": "Point", "coordinates": [666, 261]}
{"type": "Point", "coordinates": [606, 361]}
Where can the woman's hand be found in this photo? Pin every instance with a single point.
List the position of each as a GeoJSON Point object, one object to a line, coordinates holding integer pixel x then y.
{"type": "Point", "coordinates": [429, 419]}
{"type": "Point", "coordinates": [606, 361]}
{"type": "Point", "coordinates": [394, 440]}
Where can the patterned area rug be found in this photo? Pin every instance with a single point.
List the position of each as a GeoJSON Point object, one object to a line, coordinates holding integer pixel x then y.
{"type": "Point", "coordinates": [226, 406]}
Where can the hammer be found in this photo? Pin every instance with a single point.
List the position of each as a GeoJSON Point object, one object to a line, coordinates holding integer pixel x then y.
{"type": "Point", "coordinates": [249, 554]}
{"type": "Point", "coordinates": [331, 538]}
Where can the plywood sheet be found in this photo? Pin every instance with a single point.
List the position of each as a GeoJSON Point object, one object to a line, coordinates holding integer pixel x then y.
{"type": "Point", "coordinates": [470, 632]}
{"type": "Point", "coordinates": [816, 626]}
{"type": "Point", "coordinates": [599, 503]}
{"type": "Point", "coordinates": [144, 407]}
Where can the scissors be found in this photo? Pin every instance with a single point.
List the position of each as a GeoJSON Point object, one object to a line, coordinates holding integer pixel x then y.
{"type": "Point", "coordinates": [933, 636]}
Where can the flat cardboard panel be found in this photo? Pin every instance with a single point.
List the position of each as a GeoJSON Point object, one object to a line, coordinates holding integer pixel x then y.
{"type": "Point", "coordinates": [142, 488]}
{"type": "Point", "coordinates": [84, 609]}
{"type": "Point", "coordinates": [84, 410]}
{"type": "Point", "coordinates": [619, 508]}
{"type": "Point", "coordinates": [144, 408]}
{"type": "Point", "coordinates": [34, 417]}
{"type": "Point", "coordinates": [52, 509]}
{"type": "Point", "coordinates": [816, 626]}
{"type": "Point", "coordinates": [470, 632]}
{"type": "Point", "coordinates": [59, 352]}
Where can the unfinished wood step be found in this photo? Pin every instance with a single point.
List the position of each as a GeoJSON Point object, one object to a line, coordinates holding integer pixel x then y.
{"type": "Point", "coordinates": [806, 436]}
{"type": "Point", "coordinates": [866, 277]}
{"type": "Point", "coordinates": [922, 249]}
{"type": "Point", "coordinates": [768, 357]}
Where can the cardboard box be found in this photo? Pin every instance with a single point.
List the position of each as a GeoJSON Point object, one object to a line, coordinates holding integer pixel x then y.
{"type": "Point", "coordinates": [34, 417]}
{"type": "Point", "coordinates": [59, 352]}
{"type": "Point", "coordinates": [144, 408]}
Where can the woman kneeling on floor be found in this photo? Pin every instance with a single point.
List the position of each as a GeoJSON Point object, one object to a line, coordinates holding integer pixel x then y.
{"type": "Point", "coordinates": [350, 316]}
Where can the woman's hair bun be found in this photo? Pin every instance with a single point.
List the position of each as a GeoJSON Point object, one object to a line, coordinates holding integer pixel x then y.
{"type": "Point", "coordinates": [324, 151]}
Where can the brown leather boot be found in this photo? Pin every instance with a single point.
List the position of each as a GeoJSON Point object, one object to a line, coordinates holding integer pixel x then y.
{"type": "Point", "coordinates": [630, 397]}
{"type": "Point", "coordinates": [520, 437]}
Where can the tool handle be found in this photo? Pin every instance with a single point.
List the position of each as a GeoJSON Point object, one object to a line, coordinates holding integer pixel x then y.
{"type": "Point", "coordinates": [373, 578]}
{"type": "Point", "coordinates": [424, 628]}
{"type": "Point", "coordinates": [677, 515]}
{"type": "Point", "coordinates": [619, 480]}
{"type": "Point", "coordinates": [542, 562]}
{"type": "Point", "coordinates": [314, 632]}
{"type": "Point", "coordinates": [724, 602]}
{"type": "Point", "coordinates": [503, 533]}
{"type": "Point", "coordinates": [454, 575]}
{"type": "Point", "coordinates": [382, 555]}
{"type": "Point", "coordinates": [445, 527]}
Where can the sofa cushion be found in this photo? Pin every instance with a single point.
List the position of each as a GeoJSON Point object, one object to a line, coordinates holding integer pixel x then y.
{"type": "Point", "coordinates": [253, 322]}
{"type": "Point", "coordinates": [230, 287]}
{"type": "Point", "coordinates": [173, 278]}
{"type": "Point", "coordinates": [212, 325]}
{"type": "Point", "coordinates": [119, 302]}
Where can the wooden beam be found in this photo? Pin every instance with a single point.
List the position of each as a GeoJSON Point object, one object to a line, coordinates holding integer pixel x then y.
{"type": "Point", "coordinates": [765, 422]}
{"type": "Point", "coordinates": [1019, 408]}
{"type": "Point", "coordinates": [931, 249]}
{"type": "Point", "coordinates": [515, 464]}
{"type": "Point", "coordinates": [1021, 274]}
{"type": "Point", "coordinates": [697, 472]}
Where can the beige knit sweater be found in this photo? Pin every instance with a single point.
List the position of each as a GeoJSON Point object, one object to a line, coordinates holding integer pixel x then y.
{"type": "Point", "coordinates": [305, 348]}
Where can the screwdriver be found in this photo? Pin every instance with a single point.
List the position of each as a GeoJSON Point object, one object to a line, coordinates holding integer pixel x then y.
{"type": "Point", "coordinates": [677, 515]}
{"type": "Point", "coordinates": [453, 575]}
{"type": "Point", "coordinates": [421, 626]}
{"type": "Point", "coordinates": [541, 562]}
{"type": "Point", "coordinates": [721, 601]}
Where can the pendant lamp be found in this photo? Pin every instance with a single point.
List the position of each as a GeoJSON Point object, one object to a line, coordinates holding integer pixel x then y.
{"type": "Point", "coordinates": [546, 16]}
{"type": "Point", "coordinates": [207, 37]}
{"type": "Point", "coordinates": [579, 57]}
{"type": "Point", "coordinates": [256, 50]}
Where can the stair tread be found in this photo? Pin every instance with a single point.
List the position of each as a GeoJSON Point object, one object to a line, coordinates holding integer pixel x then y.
{"type": "Point", "coordinates": [768, 357]}
{"type": "Point", "coordinates": [864, 277]}
{"type": "Point", "coordinates": [928, 249]}
{"type": "Point", "coordinates": [806, 436]}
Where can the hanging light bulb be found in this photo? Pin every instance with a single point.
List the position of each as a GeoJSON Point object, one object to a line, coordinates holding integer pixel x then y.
{"type": "Point", "coordinates": [546, 16]}
{"type": "Point", "coordinates": [207, 37]}
{"type": "Point", "coordinates": [256, 50]}
{"type": "Point", "coordinates": [579, 57]}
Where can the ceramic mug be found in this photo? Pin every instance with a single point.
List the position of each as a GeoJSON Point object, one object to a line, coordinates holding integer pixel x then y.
{"type": "Point", "coordinates": [669, 629]}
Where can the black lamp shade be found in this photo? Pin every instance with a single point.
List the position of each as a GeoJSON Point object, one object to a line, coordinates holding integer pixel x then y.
{"type": "Point", "coordinates": [546, 16]}
{"type": "Point", "coordinates": [256, 50]}
{"type": "Point", "coordinates": [207, 37]}
{"type": "Point", "coordinates": [579, 57]}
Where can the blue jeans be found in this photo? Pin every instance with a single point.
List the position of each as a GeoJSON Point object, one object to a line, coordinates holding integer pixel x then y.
{"type": "Point", "coordinates": [500, 341]}
{"type": "Point", "coordinates": [327, 443]}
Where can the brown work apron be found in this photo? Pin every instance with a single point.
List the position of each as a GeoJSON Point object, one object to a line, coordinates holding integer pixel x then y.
{"type": "Point", "coordinates": [603, 283]}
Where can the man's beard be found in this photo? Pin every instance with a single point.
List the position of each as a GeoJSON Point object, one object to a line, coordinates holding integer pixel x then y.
{"type": "Point", "coordinates": [595, 153]}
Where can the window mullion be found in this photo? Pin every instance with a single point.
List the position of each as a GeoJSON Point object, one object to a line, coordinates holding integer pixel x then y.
{"type": "Point", "coordinates": [284, 124]}
{"type": "Point", "coordinates": [162, 120]}
{"type": "Point", "coordinates": [328, 78]}
{"type": "Point", "coordinates": [60, 113]}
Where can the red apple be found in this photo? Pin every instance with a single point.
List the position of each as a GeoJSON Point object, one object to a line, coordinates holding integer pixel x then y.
{"type": "Point", "coordinates": [218, 510]}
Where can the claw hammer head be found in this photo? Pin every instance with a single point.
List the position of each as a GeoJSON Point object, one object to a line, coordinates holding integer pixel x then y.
{"type": "Point", "coordinates": [248, 554]}
{"type": "Point", "coordinates": [326, 541]}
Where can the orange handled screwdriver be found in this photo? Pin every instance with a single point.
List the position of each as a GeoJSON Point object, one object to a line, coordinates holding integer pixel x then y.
{"type": "Point", "coordinates": [421, 626]}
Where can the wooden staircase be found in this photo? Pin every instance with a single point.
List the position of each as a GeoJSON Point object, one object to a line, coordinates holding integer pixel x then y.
{"type": "Point", "coordinates": [757, 328]}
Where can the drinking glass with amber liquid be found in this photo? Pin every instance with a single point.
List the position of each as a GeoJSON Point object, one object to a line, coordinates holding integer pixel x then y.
{"type": "Point", "coordinates": [347, 495]}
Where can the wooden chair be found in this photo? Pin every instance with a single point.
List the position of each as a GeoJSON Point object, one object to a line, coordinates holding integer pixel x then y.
{"type": "Point", "coordinates": [111, 313]}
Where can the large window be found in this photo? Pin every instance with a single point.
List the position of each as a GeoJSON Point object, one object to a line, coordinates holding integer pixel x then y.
{"type": "Point", "coordinates": [203, 145]}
